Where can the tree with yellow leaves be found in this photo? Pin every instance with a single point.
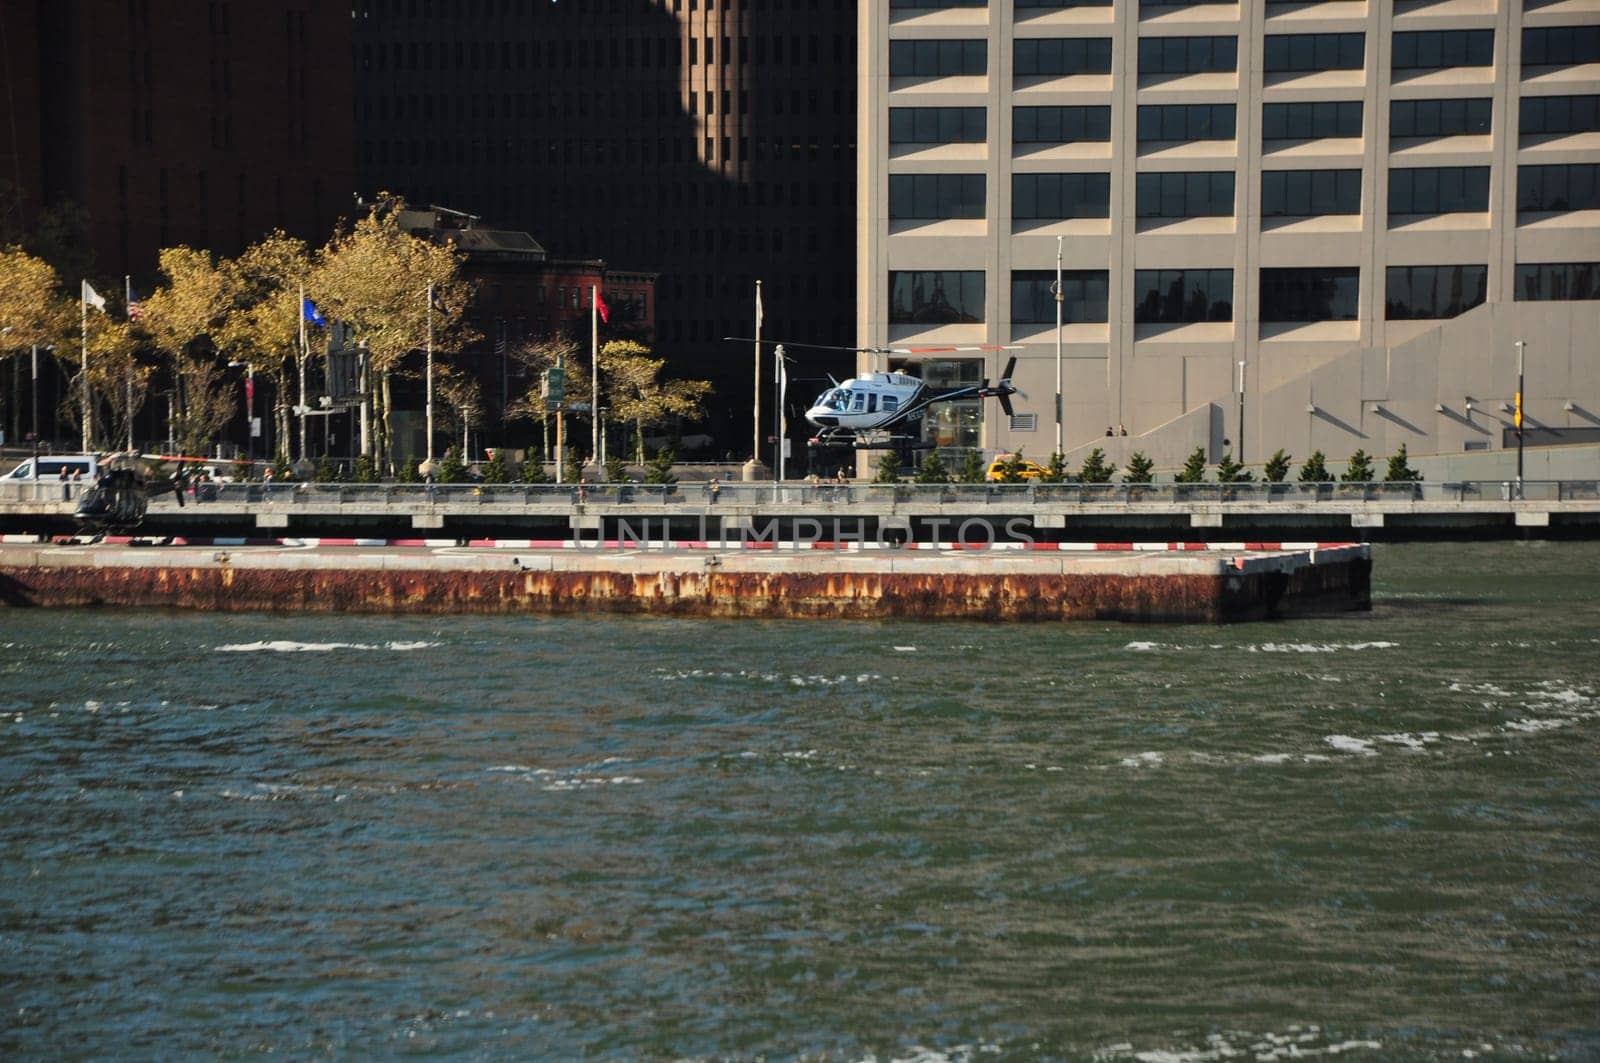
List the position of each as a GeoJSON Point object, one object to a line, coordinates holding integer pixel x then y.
{"type": "Point", "coordinates": [375, 277]}
{"type": "Point", "coordinates": [638, 394]}
{"type": "Point", "coordinates": [33, 309]}
{"type": "Point", "coordinates": [263, 325]}
{"type": "Point", "coordinates": [187, 321]}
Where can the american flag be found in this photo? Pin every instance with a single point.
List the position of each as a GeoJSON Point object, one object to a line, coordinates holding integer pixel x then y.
{"type": "Point", "coordinates": [135, 307]}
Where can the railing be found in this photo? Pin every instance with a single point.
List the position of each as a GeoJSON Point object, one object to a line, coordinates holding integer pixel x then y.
{"type": "Point", "coordinates": [796, 493]}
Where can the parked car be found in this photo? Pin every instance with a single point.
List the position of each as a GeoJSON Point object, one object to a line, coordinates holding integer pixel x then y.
{"type": "Point", "coordinates": [50, 467]}
{"type": "Point", "coordinates": [1028, 470]}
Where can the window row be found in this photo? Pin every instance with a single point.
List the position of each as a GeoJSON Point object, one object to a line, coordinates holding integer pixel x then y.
{"type": "Point", "coordinates": [1413, 191]}
{"type": "Point", "coordinates": [1282, 53]}
{"type": "Point", "coordinates": [1559, 114]}
{"type": "Point", "coordinates": [1187, 296]}
{"type": "Point", "coordinates": [1440, 118]}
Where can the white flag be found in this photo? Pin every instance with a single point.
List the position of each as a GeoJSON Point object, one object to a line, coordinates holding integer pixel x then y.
{"type": "Point", "coordinates": [93, 298]}
{"type": "Point", "coordinates": [758, 308]}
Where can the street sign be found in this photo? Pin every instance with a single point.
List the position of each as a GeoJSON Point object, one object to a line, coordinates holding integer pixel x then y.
{"type": "Point", "coordinates": [554, 385]}
{"type": "Point", "coordinates": [578, 407]}
{"type": "Point", "coordinates": [255, 427]}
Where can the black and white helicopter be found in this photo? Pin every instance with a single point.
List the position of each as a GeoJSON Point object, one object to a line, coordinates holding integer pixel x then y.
{"type": "Point", "coordinates": [118, 498]}
{"type": "Point", "coordinates": [874, 411]}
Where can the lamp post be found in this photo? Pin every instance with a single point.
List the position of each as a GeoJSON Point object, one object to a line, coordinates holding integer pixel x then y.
{"type": "Point", "coordinates": [1060, 297]}
{"type": "Point", "coordinates": [1241, 412]}
{"type": "Point", "coordinates": [1522, 346]}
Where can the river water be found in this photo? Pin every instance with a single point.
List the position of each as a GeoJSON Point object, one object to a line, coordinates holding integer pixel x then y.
{"type": "Point", "coordinates": [1376, 836]}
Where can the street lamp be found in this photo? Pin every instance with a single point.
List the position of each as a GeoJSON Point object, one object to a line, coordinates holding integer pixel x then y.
{"type": "Point", "coordinates": [1241, 412]}
{"type": "Point", "coordinates": [249, 406]}
{"type": "Point", "coordinates": [1060, 296]}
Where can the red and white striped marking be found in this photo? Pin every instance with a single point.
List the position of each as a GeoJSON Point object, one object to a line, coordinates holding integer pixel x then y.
{"type": "Point", "coordinates": [689, 544]}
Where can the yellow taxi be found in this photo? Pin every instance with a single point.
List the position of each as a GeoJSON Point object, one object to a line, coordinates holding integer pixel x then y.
{"type": "Point", "coordinates": [1027, 470]}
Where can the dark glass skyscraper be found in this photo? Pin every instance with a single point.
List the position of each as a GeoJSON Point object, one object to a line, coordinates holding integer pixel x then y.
{"type": "Point", "coordinates": [713, 143]}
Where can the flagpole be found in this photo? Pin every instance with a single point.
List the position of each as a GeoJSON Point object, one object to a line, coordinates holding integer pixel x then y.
{"type": "Point", "coordinates": [305, 353]}
{"type": "Point", "coordinates": [594, 374]}
{"type": "Point", "coordinates": [777, 394]}
{"type": "Point", "coordinates": [782, 415]}
{"type": "Point", "coordinates": [127, 301]}
{"type": "Point", "coordinates": [755, 451]}
{"type": "Point", "coordinates": [83, 331]}
{"type": "Point", "coordinates": [430, 374]}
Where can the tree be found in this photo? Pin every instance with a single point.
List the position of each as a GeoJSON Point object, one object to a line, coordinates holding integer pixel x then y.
{"type": "Point", "coordinates": [185, 319]}
{"type": "Point", "coordinates": [972, 468]}
{"type": "Point", "coordinates": [536, 357]}
{"type": "Point", "coordinates": [1231, 472]}
{"type": "Point", "coordinates": [1095, 470]}
{"type": "Point", "coordinates": [375, 277]}
{"type": "Point", "coordinates": [659, 470]}
{"type": "Point", "coordinates": [932, 470]}
{"type": "Point", "coordinates": [326, 473]}
{"type": "Point", "coordinates": [1056, 471]}
{"type": "Point", "coordinates": [637, 394]}
{"type": "Point", "coordinates": [1314, 471]}
{"type": "Point", "coordinates": [1359, 469]}
{"type": "Point", "coordinates": [366, 470]}
{"type": "Point", "coordinates": [1277, 467]}
{"type": "Point", "coordinates": [263, 325]}
{"type": "Point", "coordinates": [1140, 469]}
{"type": "Point", "coordinates": [616, 470]}
{"type": "Point", "coordinates": [410, 471]}
{"type": "Point", "coordinates": [463, 395]}
{"type": "Point", "coordinates": [888, 468]}
{"type": "Point", "coordinates": [1400, 470]}
{"type": "Point", "coordinates": [32, 306]}
{"type": "Point", "coordinates": [451, 471]}
{"type": "Point", "coordinates": [1194, 469]}
{"type": "Point", "coordinates": [494, 470]}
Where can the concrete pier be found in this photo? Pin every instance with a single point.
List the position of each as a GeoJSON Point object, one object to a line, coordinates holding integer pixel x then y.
{"type": "Point", "coordinates": [1196, 585]}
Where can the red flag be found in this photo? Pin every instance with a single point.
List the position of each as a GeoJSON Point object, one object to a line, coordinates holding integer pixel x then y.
{"type": "Point", "coordinates": [600, 305]}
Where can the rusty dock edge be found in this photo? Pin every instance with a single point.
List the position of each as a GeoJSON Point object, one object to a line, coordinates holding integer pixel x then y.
{"type": "Point", "coordinates": [1205, 588]}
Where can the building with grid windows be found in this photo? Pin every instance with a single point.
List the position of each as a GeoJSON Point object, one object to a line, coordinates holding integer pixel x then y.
{"type": "Point", "coordinates": [1308, 225]}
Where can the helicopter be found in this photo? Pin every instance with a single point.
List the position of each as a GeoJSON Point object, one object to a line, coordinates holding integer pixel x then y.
{"type": "Point", "coordinates": [873, 410]}
{"type": "Point", "coordinates": [117, 500]}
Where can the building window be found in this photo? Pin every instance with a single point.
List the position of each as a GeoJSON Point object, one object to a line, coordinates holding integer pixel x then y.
{"type": "Point", "coordinates": [1559, 114]}
{"type": "Point", "coordinates": [1078, 55]}
{"type": "Point", "coordinates": [1310, 193]}
{"type": "Point", "coordinates": [1178, 296]}
{"type": "Point", "coordinates": [1054, 196]}
{"type": "Point", "coordinates": [1560, 46]}
{"type": "Point", "coordinates": [1551, 188]}
{"type": "Point", "coordinates": [1315, 294]}
{"type": "Point", "coordinates": [1433, 49]}
{"type": "Point", "coordinates": [938, 125]}
{"type": "Point", "coordinates": [1182, 3]}
{"type": "Point", "coordinates": [1439, 190]}
{"type": "Point", "coordinates": [1558, 280]}
{"type": "Point", "coordinates": [1310, 121]}
{"type": "Point", "coordinates": [1185, 195]}
{"type": "Point", "coordinates": [928, 196]}
{"type": "Point", "coordinates": [1186, 121]}
{"type": "Point", "coordinates": [1188, 55]}
{"type": "Point", "coordinates": [1304, 53]}
{"type": "Point", "coordinates": [937, 58]}
{"type": "Point", "coordinates": [935, 297]}
{"type": "Point", "coordinates": [1059, 125]}
{"type": "Point", "coordinates": [1084, 296]}
{"type": "Point", "coordinates": [1440, 118]}
{"type": "Point", "coordinates": [931, 4]}
{"type": "Point", "coordinates": [1425, 292]}
{"type": "Point", "coordinates": [1024, 4]}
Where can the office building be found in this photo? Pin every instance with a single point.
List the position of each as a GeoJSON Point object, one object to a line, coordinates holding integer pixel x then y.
{"type": "Point", "coordinates": [1313, 225]}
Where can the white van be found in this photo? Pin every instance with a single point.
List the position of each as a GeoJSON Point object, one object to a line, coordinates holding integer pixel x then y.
{"type": "Point", "coordinates": [50, 467]}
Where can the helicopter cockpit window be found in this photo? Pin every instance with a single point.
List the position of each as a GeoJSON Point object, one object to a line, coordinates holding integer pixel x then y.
{"type": "Point", "coordinates": [858, 402]}
{"type": "Point", "coordinates": [837, 399]}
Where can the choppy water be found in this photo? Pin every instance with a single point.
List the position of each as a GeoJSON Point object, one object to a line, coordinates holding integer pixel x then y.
{"type": "Point", "coordinates": [1375, 837]}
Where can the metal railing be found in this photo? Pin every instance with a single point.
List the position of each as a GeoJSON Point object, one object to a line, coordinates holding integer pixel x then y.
{"type": "Point", "coordinates": [799, 493]}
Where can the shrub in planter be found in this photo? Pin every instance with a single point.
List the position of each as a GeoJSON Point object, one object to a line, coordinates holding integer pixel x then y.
{"type": "Point", "coordinates": [1314, 473]}
{"type": "Point", "coordinates": [1139, 470]}
{"type": "Point", "coordinates": [1277, 468]}
{"type": "Point", "coordinates": [1056, 471]}
{"type": "Point", "coordinates": [1400, 470]}
{"type": "Point", "coordinates": [888, 468]}
{"type": "Point", "coordinates": [1095, 470]}
{"type": "Point", "coordinates": [972, 468]}
{"type": "Point", "coordinates": [1358, 470]}
{"type": "Point", "coordinates": [932, 470]}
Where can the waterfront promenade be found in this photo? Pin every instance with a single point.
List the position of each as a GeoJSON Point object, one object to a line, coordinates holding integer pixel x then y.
{"type": "Point", "coordinates": [923, 512]}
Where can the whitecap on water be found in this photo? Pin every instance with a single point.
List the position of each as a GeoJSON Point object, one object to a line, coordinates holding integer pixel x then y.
{"type": "Point", "coordinates": [1141, 760]}
{"type": "Point", "coordinates": [1347, 744]}
{"type": "Point", "coordinates": [1297, 1042]}
{"type": "Point", "coordinates": [286, 646]}
{"type": "Point", "coordinates": [1319, 647]}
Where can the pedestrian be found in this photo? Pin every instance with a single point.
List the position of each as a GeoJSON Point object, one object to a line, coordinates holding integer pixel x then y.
{"type": "Point", "coordinates": [1121, 431]}
{"type": "Point", "coordinates": [266, 483]}
{"type": "Point", "coordinates": [715, 489]}
{"type": "Point", "coordinates": [1109, 432]}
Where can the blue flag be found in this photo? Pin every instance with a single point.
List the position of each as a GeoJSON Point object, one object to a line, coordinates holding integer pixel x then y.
{"type": "Point", "coordinates": [312, 314]}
